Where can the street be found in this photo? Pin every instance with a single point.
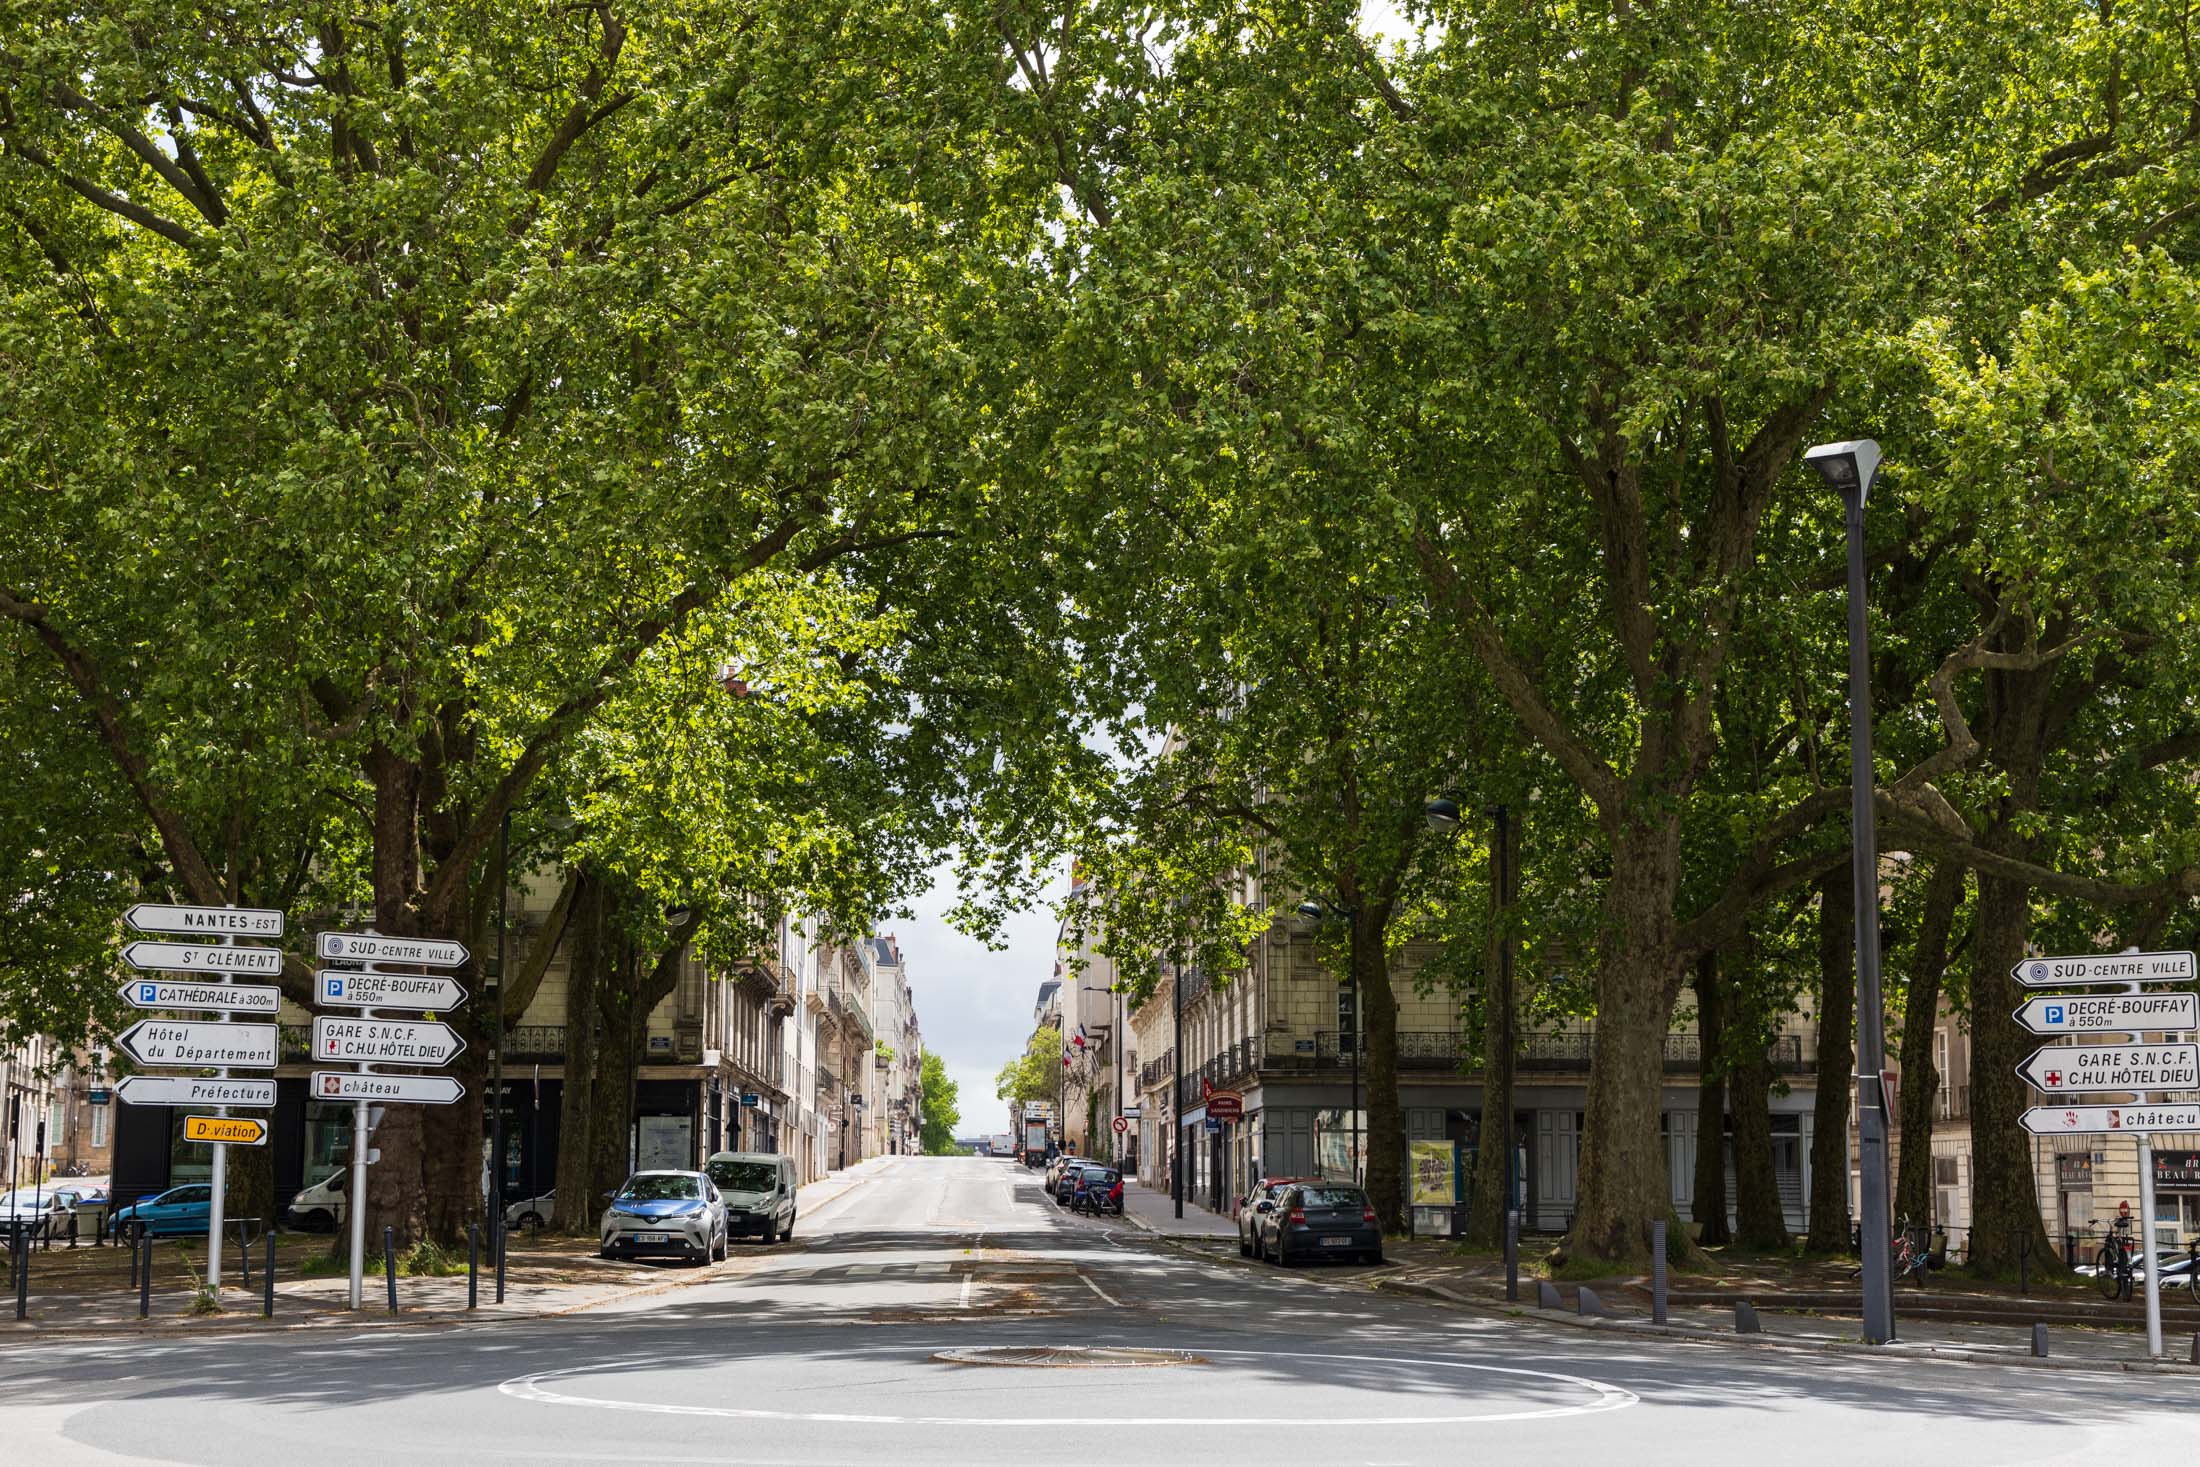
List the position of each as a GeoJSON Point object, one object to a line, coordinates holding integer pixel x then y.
{"type": "Point", "coordinates": [916, 1319]}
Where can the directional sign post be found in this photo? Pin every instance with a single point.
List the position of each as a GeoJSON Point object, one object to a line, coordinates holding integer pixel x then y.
{"type": "Point", "coordinates": [2109, 1120]}
{"type": "Point", "coordinates": [2109, 1013]}
{"type": "Point", "coordinates": [182, 1090]}
{"type": "Point", "coordinates": [206, 921]}
{"type": "Point", "coordinates": [2106, 968]}
{"type": "Point", "coordinates": [418, 992]}
{"type": "Point", "coordinates": [227, 998]}
{"type": "Point", "coordinates": [225, 1130]}
{"type": "Point", "coordinates": [384, 1041]}
{"type": "Point", "coordinates": [201, 1045]}
{"type": "Point", "coordinates": [415, 1089]}
{"type": "Point", "coordinates": [372, 947]}
{"type": "Point", "coordinates": [202, 957]}
{"type": "Point", "coordinates": [2068, 1069]}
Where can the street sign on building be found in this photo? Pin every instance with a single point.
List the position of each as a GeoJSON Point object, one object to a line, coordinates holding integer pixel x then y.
{"type": "Point", "coordinates": [226, 998]}
{"type": "Point", "coordinates": [225, 1130]}
{"type": "Point", "coordinates": [2106, 968]}
{"type": "Point", "coordinates": [1225, 1105]}
{"type": "Point", "coordinates": [2094, 1068]}
{"type": "Point", "coordinates": [203, 957]}
{"type": "Point", "coordinates": [196, 1043]}
{"type": "Point", "coordinates": [751, 1098]}
{"type": "Point", "coordinates": [2109, 1013]}
{"type": "Point", "coordinates": [2109, 1120]}
{"type": "Point", "coordinates": [369, 947]}
{"type": "Point", "coordinates": [384, 1041]}
{"type": "Point", "coordinates": [206, 921]}
{"type": "Point", "coordinates": [412, 1089]}
{"type": "Point", "coordinates": [185, 1090]}
{"type": "Point", "coordinates": [1121, 1125]}
{"type": "Point", "coordinates": [420, 992]}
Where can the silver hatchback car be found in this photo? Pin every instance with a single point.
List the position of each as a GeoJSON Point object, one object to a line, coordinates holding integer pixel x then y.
{"type": "Point", "coordinates": [665, 1214]}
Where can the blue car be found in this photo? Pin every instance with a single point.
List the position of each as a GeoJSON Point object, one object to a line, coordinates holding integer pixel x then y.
{"type": "Point", "coordinates": [182, 1209]}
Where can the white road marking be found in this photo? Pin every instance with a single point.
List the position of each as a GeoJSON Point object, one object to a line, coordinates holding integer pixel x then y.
{"type": "Point", "coordinates": [1606, 1398]}
{"type": "Point", "coordinates": [1103, 1293]}
{"type": "Point", "coordinates": [964, 1302]}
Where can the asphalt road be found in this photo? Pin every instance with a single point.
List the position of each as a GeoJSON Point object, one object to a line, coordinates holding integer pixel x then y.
{"type": "Point", "coordinates": [853, 1344]}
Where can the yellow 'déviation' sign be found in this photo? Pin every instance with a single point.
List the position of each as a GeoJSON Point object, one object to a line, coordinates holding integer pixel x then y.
{"type": "Point", "coordinates": [225, 1130]}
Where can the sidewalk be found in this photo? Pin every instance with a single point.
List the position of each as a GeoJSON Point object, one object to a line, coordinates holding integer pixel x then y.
{"type": "Point", "coordinates": [543, 1280]}
{"type": "Point", "coordinates": [1156, 1213]}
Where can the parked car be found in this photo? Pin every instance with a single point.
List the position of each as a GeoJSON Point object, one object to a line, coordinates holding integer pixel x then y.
{"type": "Point", "coordinates": [320, 1207]}
{"type": "Point", "coordinates": [183, 1209]}
{"type": "Point", "coordinates": [1065, 1178]}
{"type": "Point", "coordinates": [1056, 1166]}
{"type": "Point", "coordinates": [1320, 1220]}
{"type": "Point", "coordinates": [1258, 1199]}
{"type": "Point", "coordinates": [532, 1214]}
{"type": "Point", "coordinates": [759, 1188]}
{"type": "Point", "coordinates": [665, 1214]}
{"type": "Point", "coordinates": [1097, 1188]}
{"type": "Point", "coordinates": [33, 1208]}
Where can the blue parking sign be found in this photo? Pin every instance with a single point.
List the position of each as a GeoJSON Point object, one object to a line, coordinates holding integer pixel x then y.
{"type": "Point", "coordinates": [148, 993]}
{"type": "Point", "coordinates": [2054, 1013]}
{"type": "Point", "coordinates": [332, 987]}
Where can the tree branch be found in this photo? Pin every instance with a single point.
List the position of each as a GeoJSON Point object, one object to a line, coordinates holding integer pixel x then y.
{"type": "Point", "coordinates": [584, 113]}
{"type": "Point", "coordinates": [129, 209]}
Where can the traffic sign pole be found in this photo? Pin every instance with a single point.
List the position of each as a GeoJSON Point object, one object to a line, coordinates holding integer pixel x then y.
{"type": "Point", "coordinates": [2147, 1280]}
{"type": "Point", "coordinates": [221, 1175]}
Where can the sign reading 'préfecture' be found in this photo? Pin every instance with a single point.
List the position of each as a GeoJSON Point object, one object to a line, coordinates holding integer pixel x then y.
{"type": "Point", "coordinates": [187, 1042]}
{"type": "Point", "coordinates": [370, 947]}
{"type": "Point", "coordinates": [202, 957]}
{"type": "Point", "coordinates": [2108, 1120]}
{"type": "Point", "coordinates": [2108, 1013]}
{"type": "Point", "coordinates": [226, 998]}
{"type": "Point", "coordinates": [422, 992]}
{"type": "Point", "coordinates": [2076, 1068]}
{"type": "Point", "coordinates": [206, 921]}
{"type": "Point", "coordinates": [2106, 968]}
{"type": "Point", "coordinates": [386, 1041]}
{"type": "Point", "coordinates": [188, 1090]}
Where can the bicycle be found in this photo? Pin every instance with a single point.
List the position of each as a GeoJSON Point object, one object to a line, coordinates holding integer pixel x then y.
{"type": "Point", "coordinates": [2112, 1267]}
{"type": "Point", "coordinates": [1910, 1254]}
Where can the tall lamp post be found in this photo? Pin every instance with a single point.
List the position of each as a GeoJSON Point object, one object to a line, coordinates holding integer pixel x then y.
{"type": "Point", "coordinates": [1314, 909]}
{"type": "Point", "coordinates": [496, 1057]}
{"type": "Point", "coordinates": [1848, 469]}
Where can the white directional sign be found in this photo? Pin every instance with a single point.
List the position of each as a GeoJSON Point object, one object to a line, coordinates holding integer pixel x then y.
{"type": "Point", "coordinates": [423, 992]}
{"type": "Point", "coordinates": [206, 921]}
{"type": "Point", "coordinates": [420, 1089]}
{"type": "Point", "coordinates": [202, 957]}
{"type": "Point", "coordinates": [2109, 1013]}
{"type": "Point", "coordinates": [367, 947]}
{"type": "Point", "coordinates": [2106, 1120]}
{"type": "Point", "coordinates": [384, 1041]}
{"type": "Point", "coordinates": [178, 1090]}
{"type": "Point", "coordinates": [196, 1042]}
{"type": "Point", "coordinates": [228, 998]}
{"type": "Point", "coordinates": [2106, 968]}
{"type": "Point", "coordinates": [2073, 1068]}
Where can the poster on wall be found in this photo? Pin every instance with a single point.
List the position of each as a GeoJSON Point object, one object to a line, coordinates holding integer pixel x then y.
{"type": "Point", "coordinates": [1435, 1174]}
{"type": "Point", "coordinates": [667, 1144]}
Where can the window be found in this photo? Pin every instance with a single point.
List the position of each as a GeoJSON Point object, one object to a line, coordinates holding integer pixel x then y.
{"type": "Point", "coordinates": [1940, 1072]}
{"type": "Point", "coordinates": [99, 1125]}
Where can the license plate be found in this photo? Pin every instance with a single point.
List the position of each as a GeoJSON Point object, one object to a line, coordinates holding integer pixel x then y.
{"type": "Point", "coordinates": [653, 1237]}
{"type": "Point", "coordinates": [1336, 1242]}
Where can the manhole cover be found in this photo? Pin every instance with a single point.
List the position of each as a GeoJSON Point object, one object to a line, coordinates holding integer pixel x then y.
{"type": "Point", "coordinates": [1064, 1357]}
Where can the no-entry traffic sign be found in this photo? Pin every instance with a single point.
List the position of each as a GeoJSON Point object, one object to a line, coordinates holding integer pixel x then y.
{"type": "Point", "coordinates": [225, 1130]}
{"type": "Point", "coordinates": [2077, 1068]}
{"type": "Point", "coordinates": [2106, 968]}
{"type": "Point", "coordinates": [2104, 1120]}
{"type": "Point", "coordinates": [2108, 1013]}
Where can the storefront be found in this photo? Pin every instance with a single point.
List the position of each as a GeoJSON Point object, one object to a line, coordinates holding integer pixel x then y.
{"type": "Point", "coordinates": [2176, 1194]}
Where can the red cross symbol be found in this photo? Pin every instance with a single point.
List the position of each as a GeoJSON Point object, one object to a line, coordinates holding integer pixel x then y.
{"type": "Point", "coordinates": [332, 1046]}
{"type": "Point", "coordinates": [2053, 1078]}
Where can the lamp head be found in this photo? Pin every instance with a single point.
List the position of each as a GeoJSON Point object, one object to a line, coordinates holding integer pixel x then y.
{"type": "Point", "coordinates": [1313, 909]}
{"type": "Point", "coordinates": [1847, 467]}
{"type": "Point", "coordinates": [1441, 813]}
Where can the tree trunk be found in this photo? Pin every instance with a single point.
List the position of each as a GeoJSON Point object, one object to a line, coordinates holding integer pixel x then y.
{"type": "Point", "coordinates": [1500, 1049]}
{"type": "Point", "coordinates": [1829, 1142]}
{"type": "Point", "coordinates": [1913, 1193]}
{"type": "Point", "coordinates": [2005, 1209]}
{"type": "Point", "coordinates": [576, 1204]}
{"type": "Point", "coordinates": [1758, 1219]}
{"type": "Point", "coordinates": [1710, 1194]}
{"type": "Point", "coordinates": [1624, 1182]}
{"type": "Point", "coordinates": [1385, 1138]}
{"type": "Point", "coordinates": [618, 1053]}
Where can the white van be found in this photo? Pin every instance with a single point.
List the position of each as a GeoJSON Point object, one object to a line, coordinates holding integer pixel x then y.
{"type": "Point", "coordinates": [320, 1207]}
{"type": "Point", "coordinates": [759, 1191]}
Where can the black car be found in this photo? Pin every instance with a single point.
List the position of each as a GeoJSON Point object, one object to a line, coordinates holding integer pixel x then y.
{"type": "Point", "coordinates": [1065, 1180]}
{"type": "Point", "coordinates": [1319, 1220]}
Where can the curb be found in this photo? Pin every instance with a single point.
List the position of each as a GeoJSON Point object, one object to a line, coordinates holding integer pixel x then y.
{"type": "Point", "coordinates": [172, 1327]}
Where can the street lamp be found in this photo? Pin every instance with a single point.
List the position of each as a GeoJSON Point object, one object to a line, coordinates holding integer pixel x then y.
{"type": "Point", "coordinates": [1848, 469]}
{"type": "Point", "coordinates": [1314, 909]}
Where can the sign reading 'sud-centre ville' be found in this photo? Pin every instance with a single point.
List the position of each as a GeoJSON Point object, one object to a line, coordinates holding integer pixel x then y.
{"type": "Point", "coordinates": [372, 947]}
{"type": "Point", "coordinates": [421, 992]}
{"type": "Point", "coordinates": [384, 1041]}
{"type": "Point", "coordinates": [2109, 1013]}
{"type": "Point", "coordinates": [2106, 968]}
{"type": "Point", "coordinates": [2067, 1069]}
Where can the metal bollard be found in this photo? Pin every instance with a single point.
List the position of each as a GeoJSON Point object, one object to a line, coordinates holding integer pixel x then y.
{"type": "Point", "coordinates": [133, 1257]}
{"type": "Point", "coordinates": [145, 1275]}
{"type": "Point", "coordinates": [1586, 1301]}
{"type": "Point", "coordinates": [1547, 1295]}
{"type": "Point", "coordinates": [72, 1229]}
{"type": "Point", "coordinates": [1745, 1320]}
{"type": "Point", "coordinates": [2039, 1341]}
{"type": "Point", "coordinates": [1512, 1255]}
{"type": "Point", "coordinates": [1657, 1271]}
{"type": "Point", "coordinates": [22, 1275]}
{"type": "Point", "coordinates": [267, 1280]}
{"type": "Point", "coordinates": [503, 1236]}
{"type": "Point", "coordinates": [389, 1264]}
{"type": "Point", "coordinates": [244, 1256]}
{"type": "Point", "coordinates": [473, 1265]}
